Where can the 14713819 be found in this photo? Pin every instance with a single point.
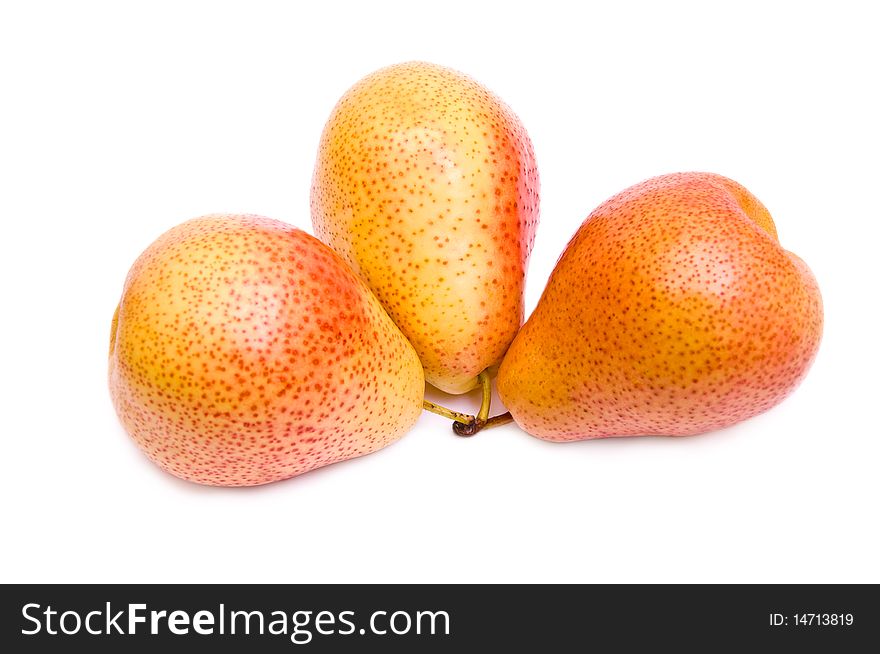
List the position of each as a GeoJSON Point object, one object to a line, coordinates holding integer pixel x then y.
{"type": "Point", "coordinates": [812, 620]}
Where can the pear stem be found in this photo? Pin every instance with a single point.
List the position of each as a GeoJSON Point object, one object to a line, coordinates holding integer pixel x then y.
{"type": "Point", "coordinates": [470, 428]}
{"type": "Point", "coordinates": [455, 416]}
{"type": "Point", "coordinates": [486, 384]}
{"type": "Point", "coordinates": [464, 424]}
{"type": "Point", "coordinates": [497, 421]}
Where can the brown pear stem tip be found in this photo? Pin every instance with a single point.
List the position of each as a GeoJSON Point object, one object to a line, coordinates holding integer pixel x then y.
{"type": "Point", "coordinates": [468, 429]}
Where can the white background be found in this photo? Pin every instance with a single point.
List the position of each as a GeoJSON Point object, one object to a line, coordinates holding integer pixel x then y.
{"type": "Point", "coordinates": [119, 120]}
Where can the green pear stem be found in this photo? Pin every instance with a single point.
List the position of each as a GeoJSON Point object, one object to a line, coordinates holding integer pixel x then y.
{"type": "Point", "coordinates": [486, 385]}
{"type": "Point", "coordinates": [455, 416]}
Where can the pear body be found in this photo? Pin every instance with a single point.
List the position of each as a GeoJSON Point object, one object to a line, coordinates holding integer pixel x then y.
{"type": "Point", "coordinates": [425, 182]}
{"type": "Point", "coordinates": [245, 351]}
{"type": "Point", "coordinates": [674, 310]}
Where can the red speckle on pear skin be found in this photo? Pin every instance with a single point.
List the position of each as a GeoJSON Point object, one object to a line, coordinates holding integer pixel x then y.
{"type": "Point", "coordinates": [245, 351]}
{"type": "Point", "coordinates": [426, 183]}
{"type": "Point", "coordinates": [672, 311]}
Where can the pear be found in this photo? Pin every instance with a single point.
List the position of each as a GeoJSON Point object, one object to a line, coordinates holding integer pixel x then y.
{"type": "Point", "coordinates": [425, 182]}
{"type": "Point", "coordinates": [244, 351]}
{"type": "Point", "coordinates": [674, 310]}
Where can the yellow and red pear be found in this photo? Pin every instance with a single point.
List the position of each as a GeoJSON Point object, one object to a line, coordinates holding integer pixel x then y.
{"type": "Point", "coordinates": [425, 182]}
{"type": "Point", "coordinates": [245, 351]}
{"type": "Point", "coordinates": [674, 310]}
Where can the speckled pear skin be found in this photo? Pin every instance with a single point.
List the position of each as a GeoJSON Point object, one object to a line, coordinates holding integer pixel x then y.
{"type": "Point", "coordinates": [426, 183]}
{"type": "Point", "coordinates": [673, 311]}
{"type": "Point", "coordinates": [245, 351]}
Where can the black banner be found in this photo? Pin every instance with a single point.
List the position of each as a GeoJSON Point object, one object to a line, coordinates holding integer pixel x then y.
{"type": "Point", "coordinates": [408, 618]}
